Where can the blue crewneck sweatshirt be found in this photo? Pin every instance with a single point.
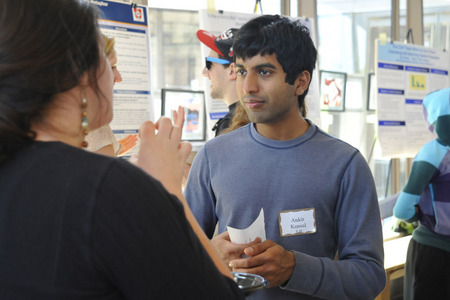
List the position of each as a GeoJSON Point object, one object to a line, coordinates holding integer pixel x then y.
{"type": "Point", "coordinates": [235, 175]}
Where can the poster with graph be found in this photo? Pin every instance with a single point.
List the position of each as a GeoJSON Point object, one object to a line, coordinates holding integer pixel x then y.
{"type": "Point", "coordinates": [405, 74]}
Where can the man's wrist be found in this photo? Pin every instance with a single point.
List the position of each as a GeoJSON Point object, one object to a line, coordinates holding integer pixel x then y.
{"type": "Point", "coordinates": [290, 267]}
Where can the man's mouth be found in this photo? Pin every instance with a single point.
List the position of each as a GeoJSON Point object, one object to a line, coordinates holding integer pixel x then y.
{"type": "Point", "coordinates": [254, 103]}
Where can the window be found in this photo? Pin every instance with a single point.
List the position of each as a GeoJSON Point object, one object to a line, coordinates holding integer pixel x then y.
{"type": "Point", "coordinates": [347, 33]}
{"type": "Point", "coordinates": [175, 52]}
{"type": "Point", "coordinates": [436, 31]}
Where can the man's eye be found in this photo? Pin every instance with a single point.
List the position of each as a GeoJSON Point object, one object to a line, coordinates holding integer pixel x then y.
{"type": "Point", "coordinates": [264, 72]}
{"type": "Point", "coordinates": [240, 72]}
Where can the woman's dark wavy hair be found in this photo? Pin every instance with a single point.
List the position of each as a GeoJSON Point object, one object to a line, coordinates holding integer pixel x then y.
{"type": "Point", "coordinates": [288, 39]}
{"type": "Point", "coordinates": [45, 48]}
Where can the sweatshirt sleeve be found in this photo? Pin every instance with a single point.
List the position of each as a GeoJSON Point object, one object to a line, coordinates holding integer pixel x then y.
{"type": "Point", "coordinates": [426, 164]}
{"type": "Point", "coordinates": [358, 272]}
{"type": "Point", "coordinates": [199, 193]}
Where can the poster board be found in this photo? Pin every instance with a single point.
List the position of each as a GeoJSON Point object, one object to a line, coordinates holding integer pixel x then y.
{"type": "Point", "coordinates": [194, 129]}
{"type": "Point", "coordinates": [332, 90]}
{"type": "Point", "coordinates": [216, 23]}
{"type": "Point", "coordinates": [371, 92]}
{"type": "Point", "coordinates": [405, 73]}
{"type": "Point", "coordinates": [128, 24]}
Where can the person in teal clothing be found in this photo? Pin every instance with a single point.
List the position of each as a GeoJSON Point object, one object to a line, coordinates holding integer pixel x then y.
{"type": "Point", "coordinates": [425, 199]}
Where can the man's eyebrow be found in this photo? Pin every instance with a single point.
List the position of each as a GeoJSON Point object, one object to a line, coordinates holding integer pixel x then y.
{"type": "Point", "coordinates": [261, 66]}
{"type": "Point", "coordinates": [266, 65]}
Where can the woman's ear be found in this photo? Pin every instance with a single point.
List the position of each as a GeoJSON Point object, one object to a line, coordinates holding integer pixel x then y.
{"type": "Point", "coordinates": [232, 71]}
{"type": "Point", "coordinates": [84, 79]}
{"type": "Point", "coordinates": [302, 82]}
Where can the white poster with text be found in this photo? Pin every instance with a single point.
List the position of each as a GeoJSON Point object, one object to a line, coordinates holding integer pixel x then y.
{"type": "Point", "coordinates": [405, 74]}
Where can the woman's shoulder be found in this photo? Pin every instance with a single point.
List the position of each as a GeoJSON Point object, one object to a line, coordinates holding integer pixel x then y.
{"type": "Point", "coordinates": [79, 165]}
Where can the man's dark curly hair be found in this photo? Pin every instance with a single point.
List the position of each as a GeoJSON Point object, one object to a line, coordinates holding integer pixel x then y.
{"type": "Point", "coordinates": [289, 40]}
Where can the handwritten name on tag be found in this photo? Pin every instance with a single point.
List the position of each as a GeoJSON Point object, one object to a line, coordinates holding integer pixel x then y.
{"type": "Point", "coordinates": [297, 222]}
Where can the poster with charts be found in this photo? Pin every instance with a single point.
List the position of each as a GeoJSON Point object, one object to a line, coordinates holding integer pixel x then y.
{"type": "Point", "coordinates": [216, 23]}
{"type": "Point", "coordinates": [128, 24]}
{"type": "Point", "coordinates": [405, 73]}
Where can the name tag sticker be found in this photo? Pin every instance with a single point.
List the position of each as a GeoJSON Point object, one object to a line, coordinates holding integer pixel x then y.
{"type": "Point", "coordinates": [297, 222]}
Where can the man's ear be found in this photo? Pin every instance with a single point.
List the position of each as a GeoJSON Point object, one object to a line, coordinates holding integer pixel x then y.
{"type": "Point", "coordinates": [302, 82]}
{"type": "Point", "coordinates": [232, 72]}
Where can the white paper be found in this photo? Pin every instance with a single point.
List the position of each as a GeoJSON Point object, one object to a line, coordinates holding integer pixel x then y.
{"type": "Point", "coordinates": [249, 234]}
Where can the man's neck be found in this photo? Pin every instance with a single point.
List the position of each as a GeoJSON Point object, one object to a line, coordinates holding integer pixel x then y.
{"type": "Point", "coordinates": [228, 101]}
{"type": "Point", "coordinates": [283, 131]}
{"type": "Point", "coordinates": [230, 95]}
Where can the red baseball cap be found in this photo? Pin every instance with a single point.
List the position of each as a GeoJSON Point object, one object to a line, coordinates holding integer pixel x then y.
{"type": "Point", "coordinates": [222, 44]}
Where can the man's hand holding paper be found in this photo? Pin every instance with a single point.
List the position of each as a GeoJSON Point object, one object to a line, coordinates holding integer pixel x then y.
{"type": "Point", "coordinates": [231, 244]}
{"type": "Point", "coordinates": [267, 259]}
{"type": "Point", "coordinates": [229, 251]}
{"type": "Point", "coordinates": [247, 250]}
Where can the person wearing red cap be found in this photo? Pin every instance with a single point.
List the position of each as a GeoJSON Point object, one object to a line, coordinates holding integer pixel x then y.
{"type": "Point", "coordinates": [219, 69]}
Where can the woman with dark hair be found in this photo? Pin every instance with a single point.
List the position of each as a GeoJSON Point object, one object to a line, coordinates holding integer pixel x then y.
{"type": "Point", "coordinates": [75, 225]}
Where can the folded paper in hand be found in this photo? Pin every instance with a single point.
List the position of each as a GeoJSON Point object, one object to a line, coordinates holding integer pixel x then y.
{"type": "Point", "coordinates": [249, 234]}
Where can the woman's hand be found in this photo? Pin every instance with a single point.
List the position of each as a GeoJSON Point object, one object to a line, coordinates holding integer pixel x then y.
{"type": "Point", "coordinates": [161, 152]}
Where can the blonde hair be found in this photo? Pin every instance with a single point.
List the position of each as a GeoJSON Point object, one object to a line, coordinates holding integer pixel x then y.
{"type": "Point", "coordinates": [109, 45]}
{"type": "Point", "coordinates": [239, 119]}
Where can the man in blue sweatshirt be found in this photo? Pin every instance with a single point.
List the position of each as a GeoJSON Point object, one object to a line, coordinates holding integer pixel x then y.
{"type": "Point", "coordinates": [322, 220]}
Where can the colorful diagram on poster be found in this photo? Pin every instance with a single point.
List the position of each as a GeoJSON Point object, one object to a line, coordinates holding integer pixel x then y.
{"type": "Point", "coordinates": [332, 90]}
{"type": "Point", "coordinates": [194, 109]}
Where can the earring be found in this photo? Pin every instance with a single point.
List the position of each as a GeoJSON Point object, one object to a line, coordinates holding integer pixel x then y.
{"type": "Point", "coordinates": [84, 122]}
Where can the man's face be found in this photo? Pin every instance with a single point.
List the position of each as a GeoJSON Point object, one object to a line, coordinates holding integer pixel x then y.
{"type": "Point", "coordinates": [262, 90]}
{"type": "Point", "coordinates": [217, 75]}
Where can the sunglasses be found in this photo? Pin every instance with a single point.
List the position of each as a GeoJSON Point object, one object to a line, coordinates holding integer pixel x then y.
{"type": "Point", "coordinates": [210, 60]}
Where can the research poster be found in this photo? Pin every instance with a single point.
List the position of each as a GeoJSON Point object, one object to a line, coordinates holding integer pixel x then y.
{"type": "Point", "coordinates": [405, 73]}
{"type": "Point", "coordinates": [216, 23]}
{"type": "Point", "coordinates": [128, 24]}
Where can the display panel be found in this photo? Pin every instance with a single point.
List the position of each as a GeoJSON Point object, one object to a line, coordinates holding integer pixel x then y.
{"type": "Point", "coordinates": [371, 93]}
{"type": "Point", "coordinates": [332, 90]}
{"type": "Point", "coordinates": [194, 108]}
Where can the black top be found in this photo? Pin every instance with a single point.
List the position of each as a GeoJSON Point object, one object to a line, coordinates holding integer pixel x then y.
{"type": "Point", "coordinates": [76, 225]}
{"type": "Point", "coordinates": [224, 122]}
